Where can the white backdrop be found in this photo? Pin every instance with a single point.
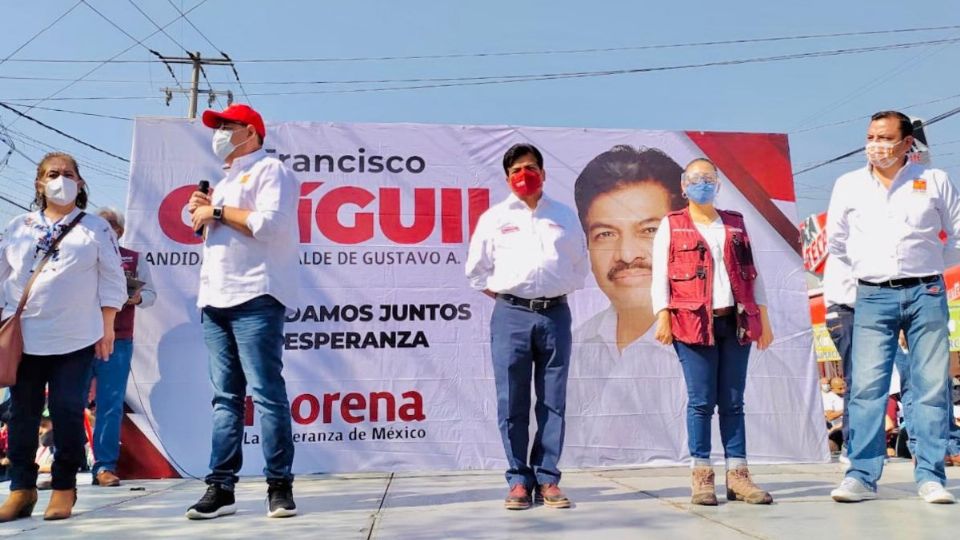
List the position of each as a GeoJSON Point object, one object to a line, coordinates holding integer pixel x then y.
{"type": "Point", "coordinates": [373, 394]}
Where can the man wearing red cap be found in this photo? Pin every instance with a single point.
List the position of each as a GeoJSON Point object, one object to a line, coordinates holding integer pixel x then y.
{"type": "Point", "coordinates": [248, 276]}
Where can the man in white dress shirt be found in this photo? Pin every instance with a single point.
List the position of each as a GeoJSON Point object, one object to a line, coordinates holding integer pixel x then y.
{"type": "Point", "coordinates": [528, 253]}
{"type": "Point", "coordinates": [249, 274]}
{"type": "Point", "coordinates": [621, 195]}
{"type": "Point", "coordinates": [884, 220]}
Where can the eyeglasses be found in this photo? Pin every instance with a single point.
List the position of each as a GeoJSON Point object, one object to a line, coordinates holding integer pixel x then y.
{"type": "Point", "coordinates": [698, 178]}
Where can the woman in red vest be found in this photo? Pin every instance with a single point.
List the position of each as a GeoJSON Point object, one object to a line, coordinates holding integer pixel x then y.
{"type": "Point", "coordinates": [711, 306]}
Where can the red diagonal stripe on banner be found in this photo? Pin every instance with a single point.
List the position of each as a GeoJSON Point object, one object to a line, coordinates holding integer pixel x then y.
{"type": "Point", "coordinates": [138, 458]}
{"type": "Point", "coordinates": [758, 164]}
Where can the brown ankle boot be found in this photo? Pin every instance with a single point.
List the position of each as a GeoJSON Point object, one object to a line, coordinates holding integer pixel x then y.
{"type": "Point", "coordinates": [704, 488]}
{"type": "Point", "coordinates": [19, 504]}
{"type": "Point", "coordinates": [61, 504]}
{"type": "Point", "coordinates": [740, 487]}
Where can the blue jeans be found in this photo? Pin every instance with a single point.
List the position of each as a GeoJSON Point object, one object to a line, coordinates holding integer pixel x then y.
{"type": "Point", "coordinates": [906, 399]}
{"type": "Point", "coordinates": [921, 312]}
{"type": "Point", "coordinates": [111, 388]}
{"type": "Point", "coordinates": [66, 374]}
{"type": "Point", "coordinates": [245, 343]}
{"type": "Point", "coordinates": [716, 376]}
{"type": "Point", "coordinates": [840, 327]}
{"type": "Point", "coordinates": [529, 344]}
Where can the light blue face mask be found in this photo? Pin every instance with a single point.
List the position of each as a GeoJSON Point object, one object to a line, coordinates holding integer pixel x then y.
{"type": "Point", "coordinates": [701, 192]}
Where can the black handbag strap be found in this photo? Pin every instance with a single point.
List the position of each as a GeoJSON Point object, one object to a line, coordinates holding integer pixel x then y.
{"type": "Point", "coordinates": [39, 267]}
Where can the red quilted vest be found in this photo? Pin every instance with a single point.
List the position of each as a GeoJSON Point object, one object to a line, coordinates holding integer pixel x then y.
{"type": "Point", "coordinates": [690, 270]}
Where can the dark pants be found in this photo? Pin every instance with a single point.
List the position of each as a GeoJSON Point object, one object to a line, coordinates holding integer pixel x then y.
{"type": "Point", "coordinates": [66, 374]}
{"type": "Point", "coordinates": [529, 344]}
{"type": "Point", "coordinates": [245, 343]}
{"type": "Point", "coordinates": [840, 327]}
{"type": "Point", "coordinates": [716, 376]}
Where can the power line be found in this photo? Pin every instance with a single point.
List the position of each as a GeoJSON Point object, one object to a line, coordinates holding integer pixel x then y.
{"type": "Point", "coordinates": [504, 79]}
{"type": "Point", "coordinates": [101, 64]}
{"type": "Point", "coordinates": [864, 117]}
{"type": "Point", "coordinates": [59, 132]}
{"type": "Point", "coordinates": [81, 158]}
{"type": "Point", "coordinates": [530, 52]}
{"type": "Point", "coordinates": [204, 36]}
{"type": "Point", "coordinates": [44, 29]}
{"type": "Point", "coordinates": [84, 113]}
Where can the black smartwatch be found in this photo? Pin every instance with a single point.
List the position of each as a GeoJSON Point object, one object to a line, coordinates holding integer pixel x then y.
{"type": "Point", "coordinates": [218, 213]}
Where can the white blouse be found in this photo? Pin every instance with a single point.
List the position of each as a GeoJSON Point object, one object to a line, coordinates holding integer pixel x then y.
{"type": "Point", "coordinates": [714, 235]}
{"type": "Point", "coordinates": [62, 314]}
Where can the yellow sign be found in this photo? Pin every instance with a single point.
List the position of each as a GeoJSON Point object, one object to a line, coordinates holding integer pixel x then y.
{"type": "Point", "coordinates": [823, 345]}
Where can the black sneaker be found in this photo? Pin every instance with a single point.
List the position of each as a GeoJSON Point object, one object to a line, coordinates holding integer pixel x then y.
{"type": "Point", "coordinates": [215, 502]}
{"type": "Point", "coordinates": [280, 500]}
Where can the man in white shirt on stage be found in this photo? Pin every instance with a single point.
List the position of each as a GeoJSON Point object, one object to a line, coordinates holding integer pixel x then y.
{"type": "Point", "coordinates": [528, 252]}
{"type": "Point", "coordinates": [249, 274]}
{"type": "Point", "coordinates": [884, 220]}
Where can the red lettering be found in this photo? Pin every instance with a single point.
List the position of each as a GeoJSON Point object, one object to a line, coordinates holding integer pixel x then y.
{"type": "Point", "coordinates": [313, 410]}
{"type": "Point", "coordinates": [424, 216]}
{"type": "Point", "coordinates": [479, 202]}
{"type": "Point", "coordinates": [412, 411]}
{"type": "Point", "coordinates": [328, 400]}
{"type": "Point", "coordinates": [248, 411]}
{"type": "Point", "coordinates": [391, 405]}
{"type": "Point", "coordinates": [451, 216]}
{"type": "Point", "coordinates": [303, 211]}
{"type": "Point", "coordinates": [352, 402]}
{"type": "Point", "coordinates": [328, 218]}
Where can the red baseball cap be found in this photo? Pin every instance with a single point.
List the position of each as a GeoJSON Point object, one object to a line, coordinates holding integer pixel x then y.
{"type": "Point", "coordinates": [238, 112]}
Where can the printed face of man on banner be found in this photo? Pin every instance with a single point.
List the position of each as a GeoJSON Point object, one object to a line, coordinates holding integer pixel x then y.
{"type": "Point", "coordinates": [621, 196]}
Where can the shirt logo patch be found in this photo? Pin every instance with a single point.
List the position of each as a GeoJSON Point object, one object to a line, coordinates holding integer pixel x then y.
{"type": "Point", "coordinates": [507, 229]}
{"type": "Point", "coordinates": [934, 289]}
{"type": "Point", "coordinates": [919, 185]}
{"type": "Point", "coordinates": [245, 178]}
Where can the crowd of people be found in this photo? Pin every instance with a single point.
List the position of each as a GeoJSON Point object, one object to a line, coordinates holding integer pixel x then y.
{"type": "Point", "coordinates": [707, 302]}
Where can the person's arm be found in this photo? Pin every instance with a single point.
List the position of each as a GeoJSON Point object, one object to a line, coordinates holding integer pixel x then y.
{"type": "Point", "coordinates": [832, 415]}
{"type": "Point", "coordinates": [950, 218]}
{"type": "Point", "coordinates": [660, 283]}
{"type": "Point", "coordinates": [147, 295]}
{"type": "Point", "coordinates": [838, 227]}
{"type": "Point", "coordinates": [111, 285]}
{"type": "Point", "coordinates": [480, 263]}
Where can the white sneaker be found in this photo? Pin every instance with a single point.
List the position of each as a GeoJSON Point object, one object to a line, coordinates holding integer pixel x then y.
{"type": "Point", "coordinates": [933, 492]}
{"type": "Point", "coordinates": [844, 462]}
{"type": "Point", "coordinates": [852, 490]}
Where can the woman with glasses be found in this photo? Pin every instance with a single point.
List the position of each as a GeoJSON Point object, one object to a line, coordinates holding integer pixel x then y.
{"type": "Point", "coordinates": [710, 305]}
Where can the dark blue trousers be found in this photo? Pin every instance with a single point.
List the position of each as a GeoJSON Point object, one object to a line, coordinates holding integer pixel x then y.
{"type": "Point", "coordinates": [531, 345]}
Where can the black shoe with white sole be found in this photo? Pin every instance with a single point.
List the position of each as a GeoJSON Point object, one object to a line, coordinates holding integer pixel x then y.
{"type": "Point", "coordinates": [215, 502]}
{"type": "Point", "coordinates": [280, 499]}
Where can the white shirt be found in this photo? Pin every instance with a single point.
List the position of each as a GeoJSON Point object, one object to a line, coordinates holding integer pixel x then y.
{"type": "Point", "coordinates": [889, 234]}
{"type": "Point", "coordinates": [832, 401]}
{"type": "Point", "coordinates": [237, 268]}
{"type": "Point", "coordinates": [624, 408]}
{"type": "Point", "coordinates": [62, 314]}
{"type": "Point", "coordinates": [839, 285]}
{"type": "Point", "coordinates": [528, 253]}
{"type": "Point", "coordinates": [714, 235]}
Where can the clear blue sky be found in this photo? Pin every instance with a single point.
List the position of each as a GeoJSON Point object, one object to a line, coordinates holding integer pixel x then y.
{"type": "Point", "coordinates": [786, 96]}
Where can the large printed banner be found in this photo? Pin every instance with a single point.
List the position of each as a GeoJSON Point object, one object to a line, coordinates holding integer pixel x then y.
{"type": "Point", "coordinates": [387, 357]}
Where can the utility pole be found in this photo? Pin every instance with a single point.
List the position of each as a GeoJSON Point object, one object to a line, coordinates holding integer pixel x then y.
{"type": "Point", "coordinates": [194, 91]}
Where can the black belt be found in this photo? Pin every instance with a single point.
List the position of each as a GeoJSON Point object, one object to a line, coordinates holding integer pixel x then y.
{"type": "Point", "coordinates": [534, 304]}
{"type": "Point", "coordinates": [724, 311]}
{"type": "Point", "coordinates": [902, 282]}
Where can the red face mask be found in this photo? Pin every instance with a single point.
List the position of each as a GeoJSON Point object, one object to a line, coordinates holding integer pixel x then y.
{"type": "Point", "coordinates": [525, 182]}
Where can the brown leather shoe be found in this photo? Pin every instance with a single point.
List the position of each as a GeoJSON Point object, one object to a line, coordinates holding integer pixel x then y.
{"type": "Point", "coordinates": [518, 498]}
{"type": "Point", "coordinates": [551, 496]}
{"type": "Point", "coordinates": [704, 486]}
{"type": "Point", "coordinates": [740, 487]}
{"type": "Point", "coordinates": [61, 504]}
{"type": "Point", "coordinates": [19, 504]}
{"type": "Point", "coordinates": [106, 478]}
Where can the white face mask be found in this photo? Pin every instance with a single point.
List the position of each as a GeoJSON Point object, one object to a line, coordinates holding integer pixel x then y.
{"type": "Point", "coordinates": [880, 154]}
{"type": "Point", "coordinates": [61, 190]}
{"type": "Point", "coordinates": [222, 146]}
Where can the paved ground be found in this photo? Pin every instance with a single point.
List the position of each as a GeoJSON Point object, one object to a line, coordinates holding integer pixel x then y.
{"type": "Point", "coordinates": [610, 504]}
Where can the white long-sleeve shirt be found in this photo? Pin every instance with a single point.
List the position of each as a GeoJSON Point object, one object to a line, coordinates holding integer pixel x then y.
{"type": "Point", "coordinates": [714, 235]}
{"type": "Point", "coordinates": [62, 314]}
{"type": "Point", "coordinates": [839, 285]}
{"type": "Point", "coordinates": [237, 268]}
{"type": "Point", "coordinates": [889, 234]}
{"type": "Point", "coordinates": [528, 253]}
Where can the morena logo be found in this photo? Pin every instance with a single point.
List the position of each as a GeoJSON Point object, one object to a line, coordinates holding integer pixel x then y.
{"type": "Point", "coordinates": [351, 408]}
{"type": "Point", "coordinates": [353, 214]}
